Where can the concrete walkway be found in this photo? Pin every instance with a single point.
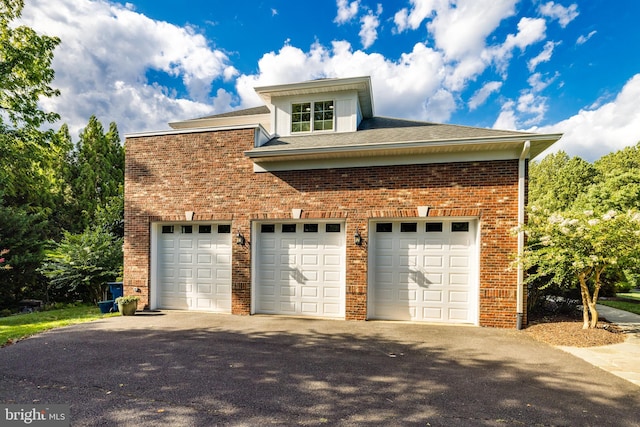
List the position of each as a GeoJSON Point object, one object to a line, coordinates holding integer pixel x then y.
{"type": "Point", "coordinates": [621, 359]}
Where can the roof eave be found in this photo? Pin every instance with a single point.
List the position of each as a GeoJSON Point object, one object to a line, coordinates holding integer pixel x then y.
{"type": "Point", "coordinates": [539, 143]}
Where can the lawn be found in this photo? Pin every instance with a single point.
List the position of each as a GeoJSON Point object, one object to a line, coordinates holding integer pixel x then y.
{"type": "Point", "coordinates": [14, 328]}
{"type": "Point", "coordinates": [633, 307]}
{"type": "Point", "coordinates": [635, 296]}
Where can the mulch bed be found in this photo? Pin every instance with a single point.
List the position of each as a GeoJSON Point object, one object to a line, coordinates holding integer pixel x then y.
{"type": "Point", "coordinates": [563, 330]}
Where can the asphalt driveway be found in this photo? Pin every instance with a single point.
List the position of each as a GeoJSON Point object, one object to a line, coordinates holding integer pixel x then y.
{"type": "Point", "coordinates": [199, 369]}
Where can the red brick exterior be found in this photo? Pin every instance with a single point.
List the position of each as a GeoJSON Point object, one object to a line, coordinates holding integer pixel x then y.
{"type": "Point", "coordinates": [208, 173]}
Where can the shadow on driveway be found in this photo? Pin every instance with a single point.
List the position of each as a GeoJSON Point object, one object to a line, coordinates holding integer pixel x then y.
{"type": "Point", "coordinates": [198, 369]}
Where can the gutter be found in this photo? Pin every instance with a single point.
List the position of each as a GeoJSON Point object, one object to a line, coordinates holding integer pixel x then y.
{"type": "Point", "coordinates": [522, 165]}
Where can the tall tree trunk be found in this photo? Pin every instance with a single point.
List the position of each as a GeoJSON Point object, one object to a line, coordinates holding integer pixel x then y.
{"type": "Point", "coordinates": [584, 292]}
{"type": "Point", "coordinates": [594, 299]}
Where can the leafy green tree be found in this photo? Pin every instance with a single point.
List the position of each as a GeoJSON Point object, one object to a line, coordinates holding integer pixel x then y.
{"type": "Point", "coordinates": [82, 264]}
{"type": "Point", "coordinates": [617, 185]}
{"type": "Point", "coordinates": [25, 77]}
{"type": "Point", "coordinates": [21, 233]}
{"type": "Point", "coordinates": [579, 247]}
{"type": "Point", "coordinates": [98, 169]}
{"type": "Point", "coordinates": [556, 182]}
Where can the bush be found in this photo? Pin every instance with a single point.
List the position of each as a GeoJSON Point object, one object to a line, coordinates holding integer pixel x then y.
{"type": "Point", "coordinates": [82, 264]}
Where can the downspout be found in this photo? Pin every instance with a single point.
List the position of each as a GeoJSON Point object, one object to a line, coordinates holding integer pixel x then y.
{"type": "Point", "coordinates": [522, 178]}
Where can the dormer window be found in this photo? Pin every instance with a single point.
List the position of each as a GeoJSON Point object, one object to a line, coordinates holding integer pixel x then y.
{"type": "Point", "coordinates": [307, 114]}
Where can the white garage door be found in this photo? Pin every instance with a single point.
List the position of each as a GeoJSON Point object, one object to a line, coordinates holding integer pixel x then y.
{"type": "Point", "coordinates": [194, 267]}
{"type": "Point", "coordinates": [300, 269]}
{"type": "Point", "coordinates": [424, 271]}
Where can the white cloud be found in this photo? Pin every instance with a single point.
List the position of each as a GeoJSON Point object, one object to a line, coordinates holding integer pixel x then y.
{"type": "Point", "coordinates": [584, 39]}
{"type": "Point", "coordinates": [439, 106]}
{"type": "Point", "coordinates": [481, 95]}
{"type": "Point", "coordinates": [507, 117]}
{"type": "Point", "coordinates": [544, 56]}
{"type": "Point", "coordinates": [369, 30]}
{"type": "Point", "coordinates": [107, 51]}
{"type": "Point", "coordinates": [420, 10]}
{"type": "Point", "coordinates": [538, 84]}
{"type": "Point", "coordinates": [462, 30]}
{"type": "Point", "coordinates": [564, 15]}
{"type": "Point", "coordinates": [591, 134]}
{"type": "Point", "coordinates": [414, 78]}
{"type": "Point", "coordinates": [346, 11]}
{"type": "Point", "coordinates": [530, 31]}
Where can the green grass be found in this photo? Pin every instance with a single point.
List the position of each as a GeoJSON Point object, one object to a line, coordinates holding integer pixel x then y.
{"type": "Point", "coordinates": [631, 295]}
{"type": "Point", "coordinates": [16, 327]}
{"type": "Point", "coordinates": [632, 307]}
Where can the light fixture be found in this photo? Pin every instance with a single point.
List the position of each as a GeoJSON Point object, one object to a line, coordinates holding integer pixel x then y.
{"type": "Point", "coordinates": [357, 238]}
{"type": "Point", "coordinates": [240, 240]}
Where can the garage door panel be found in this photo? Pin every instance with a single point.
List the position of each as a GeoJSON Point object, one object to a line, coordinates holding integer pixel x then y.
{"type": "Point", "coordinates": [332, 309]}
{"type": "Point", "coordinates": [204, 288]}
{"type": "Point", "coordinates": [268, 259]}
{"type": "Point", "coordinates": [287, 307]}
{"type": "Point", "coordinates": [408, 260]}
{"type": "Point", "coordinates": [185, 244]}
{"type": "Point", "coordinates": [432, 295]}
{"type": "Point", "coordinates": [311, 276]}
{"type": "Point", "coordinates": [288, 243]}
{"type": "Point", "coordinates": [331, 292]}
{"type": "Point", "coordinates": [384, 260]}
{"type": "Point", "coordinates": [330, 277]}
{"type": "Point", "coordinates": [194, 271]}
{"type": "Point", "coordinates": [310, 244]}
{"type": "Point", "coordinates": [267, 274]}
{"type": "Point", "coordinates": [310, 291]}
{"type": "Point", "coordinates": [184, 258]}
{"type": "Point", "coordinates": [204, 259]}
{"type": "Point", "coordinates": [458, 314]}
{"type": "Point", "coordinates": [459, 296]}
{"type": "Point", "coordinates": [309, 308]}
{"type": "Point", "coordinates": [433, 245]}
{"type": "Point", "coordinates": [204, 273]}
{"type": "Point", "coordinates": [459, 261]}
{"type": "Point", "coordinates": [223, 276]}
{"type": "Point", "coordinates": [267, 243]}
{"type": "Point", "coordinates": [432, 313]}
{"type": "Point", "coordinates": [433, 261]}
{"type": "Point", "coordinates": [433, 279]}
{"type": "Point", "coordinates": [459, 279]}
{"type": "Point", "coordinates": [308, 262]}
{"type": "Point", "coordinates": [384, 243]}
{"type": "Point", "coordinates": [288, 291]}
{"type": "Point", "coordinates": [407, 295]}
{"type": "Point", "coordinates": [424, 272]}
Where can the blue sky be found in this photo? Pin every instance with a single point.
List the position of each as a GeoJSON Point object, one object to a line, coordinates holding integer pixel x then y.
{"type": "Point", "coordinates": [536, 65]}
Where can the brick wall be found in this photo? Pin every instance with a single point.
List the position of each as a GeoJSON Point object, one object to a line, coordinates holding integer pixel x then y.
{"type": "Point", "coordinates": [208, 173]}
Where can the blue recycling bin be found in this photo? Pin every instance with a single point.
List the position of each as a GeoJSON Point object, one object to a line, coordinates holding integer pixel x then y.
{"type": "Point", "coordinates": [117, 290]}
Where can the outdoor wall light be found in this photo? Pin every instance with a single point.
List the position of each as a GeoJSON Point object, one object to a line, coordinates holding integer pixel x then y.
{"type": "Point", "coordinates": [240, 240]}
{"type": "Point", "coordinates": [357, 238]}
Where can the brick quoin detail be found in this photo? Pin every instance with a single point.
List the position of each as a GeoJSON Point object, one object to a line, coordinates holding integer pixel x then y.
{"type": "Point", "coordinates": [208, 173]}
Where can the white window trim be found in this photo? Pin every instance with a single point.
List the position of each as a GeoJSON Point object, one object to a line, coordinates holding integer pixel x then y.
{"type": "Point", "coordinates": [312, 130]}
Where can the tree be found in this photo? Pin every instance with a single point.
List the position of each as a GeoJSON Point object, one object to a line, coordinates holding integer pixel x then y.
{"type": "Point", "coordinates": [21, 233]}
{"type": "Point", "coordinates": [82, 264]}
{"type": "Point", "coordinates": [558, 181]}
{"type": "Point", "coordinates": [25, 77]}
{"type": "Point", "coordinates": [582, 247]}
{"type": "Point", "coordinates": [98, 169]}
